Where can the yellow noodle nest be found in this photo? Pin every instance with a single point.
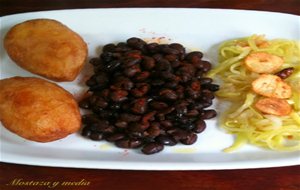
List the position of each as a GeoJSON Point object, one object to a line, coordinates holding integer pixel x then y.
{"type": "Point", "coordinates": [281, 133]}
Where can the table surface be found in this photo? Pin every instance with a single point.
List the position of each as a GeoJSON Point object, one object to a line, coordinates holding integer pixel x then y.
{"type": "Point", "coordinates": [285, 178]}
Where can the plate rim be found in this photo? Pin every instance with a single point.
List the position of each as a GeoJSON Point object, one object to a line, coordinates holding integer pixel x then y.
{"type": "Point", "coordinates": [151, 8]}
{"type": "Point", "coordinates": [121, 165]}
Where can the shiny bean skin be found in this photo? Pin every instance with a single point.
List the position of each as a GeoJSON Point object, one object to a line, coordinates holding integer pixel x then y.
{"type": "Point", "coordinates": [190, 139]}
{"type": "Point", "coordinates": [166, 140]}
{"type": "Point", "coordinates": [114, 137]}
{"type": "Point", "coordinates": [127, 143]}
{"type": "Point", "coordinates": [200, 126]}
{"type": "Point", "coordinates": [148, 95]}
{"type": "Point", "coordinates": [152, 148]}
{"type": "Point", "coordinates": [285, 73]}
{"type": "Point", "coordinates": [208, 114]}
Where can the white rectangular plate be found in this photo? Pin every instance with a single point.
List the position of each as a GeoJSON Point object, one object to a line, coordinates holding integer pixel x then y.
{"type": "Point", "coordinates": [197, 29]}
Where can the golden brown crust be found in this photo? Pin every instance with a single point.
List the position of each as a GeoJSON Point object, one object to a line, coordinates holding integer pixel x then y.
{"type": "Point", "coordinates": [271, 86]}
{"type": "Point", "coordinates": [37, 110]}
{"type": "Point", "coordinates": [261, 62]}
{"type": "Point", "coordinates": [46, 47]}
{"type": "Point", "coordinates": [274, 106]}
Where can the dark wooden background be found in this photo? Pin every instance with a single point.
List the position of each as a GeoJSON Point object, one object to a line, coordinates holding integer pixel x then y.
{"type": "Point", "coordinates": [281, 178]}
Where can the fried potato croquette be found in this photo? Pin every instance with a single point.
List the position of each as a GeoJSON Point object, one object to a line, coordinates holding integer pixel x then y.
{"type": "Point", "coordinates": [37, 110]}
{"type": "Point", "coordinates": [47, 48]}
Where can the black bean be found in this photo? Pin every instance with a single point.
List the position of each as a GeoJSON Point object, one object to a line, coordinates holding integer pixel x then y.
{"type": "Point", "coordinates": [168, 50]}
{"type": "Point", "coordinates": [111, 66]}
{"type": "Point", "coordinates": [121, 124]}
{"type": "Point", "coordinates": [211, 87]}
{"type": "Point", "coordinates": [194, 56]}
{"type": "Point", "coordinates": [136, 43]}
{"type": "Point", "coordinates": [152, 148]}
{"type": "Point", "coordinates": [106, 57]}
{"type": "Point", "coordinates": [171, 58]}
{"type": "Point", "coordinates": [118, 95]}
{"type": "Point", "coordinates": [104, 93]}
{"type": "Point", "coordinates": [158, 105]}
{"type": "Point", "coordinates": [135, 134]}
{"type": "Point", "coordinates": [127, 117]}
{"type": "Point", "coordinates": [152, 47]}
{"type": "Point", "coordinates": [163, 65]}
{"type": "Point", "coordinates": [199, 74]}
{"type": "Point", "coordinates": [157, 82]}
{"type": "Point", "coordinates": [85, 103]}
{"type": "Point", "coordinates": [140, 90]}
{"type": "Point", "coordinates": [206, 102]}
{"type": "Point", "coordinates": [178, 47]}
{"type": "Point", "coordinates": [208, 114]}
{"type": "Point", "coordinates": [142, 76]}
{"type": "Point", "coordinates": [89, 119]}
{"type": "Point", "coordinates": [123, 83]}
{"type": "Point", "coordinates": [160, 117]}
{"type": "Point", "coordinates": [205, 80]}
{"type": "Point", "coordinates": [135, 143]}
{"type": "Point", "coordinates": [133, 53]}
{"type": "Point", "coordinates": [175, 64]}
{"type": "Point", "coordinates": [192, 113]}
{"type": "Point", "coordinates": [166, 140]}
{"type": "Point", "coordinates": [188, 125]}
{"type": "Point", "coordinates": [95, 61]}
{"type": "Point", "coordinates": [86, 132]}
{"type": "Point", "coordinates": [96, 136]}
{"type": "Point", "coordinates": [91, 82]}
{"type": "Point", "coordinates": [194, 94]}
{"type": "Point", "coordinates": [190, 139]}
{"type": "Point", "coordinates": [148, 63]}
{"type": "Point", "coordinates": [178, 134]}
{"type": "Point", "coordinates": [100, 102]}
{"type": "Point", "coordinates": [148, 95]}
{"type": "Point", "coordinates": [167, 110]}
{"type": "Point", "coordinates": [104, 114]}
{"type": "Point", "coordinates": [206, 66]}
{"type": "Point", "coordinates": [171, 84]}
{"type": "Point", "coordinates": [122, 47]}
{"type": "Point", "coordinates": [168, 94]}
{"type": "Point", "coordinates": [101, 78]}
{"type": "Point", "coordinates": [131, 71]}
{"type": "Point", "coordinates": [110, 129]}
{"type": "Point", "coordinates": [130, 62]}
{"type": "Point", "coordinates": [153, 131]}
{"type": "Point", "coordinates": [128, 143]}
{"type": "Point", "coordinates": [138, 127]}
{"type": "Point", "coordinates": [123, 143]}
{"type": "Point", "coordinates": [115, 137]}
{"type": "Point", "coordinates": [207, 94]}
{"type": "Point", "coordinates": [109, 48]}
{"type": "Point", "coordinates": [115, 106]}
{"type": "Point", "coordinates": [99, 126]}
{"type": "Point", "coordinates": [285, 73]}
{"type": "Point", "coordinates": [166, 124]}
{"type": "Point", "coordinates": [139, 106]}
{"type": "Point", "coordinates": [200, 126]}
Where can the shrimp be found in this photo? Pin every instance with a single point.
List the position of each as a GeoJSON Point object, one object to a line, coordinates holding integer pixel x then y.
{"type": "Point", "coordinates": [271, 86]}
{"type": "Point", "coordinates": [274, 106]}
{"type": "Point", "coordinates": [261, 62]}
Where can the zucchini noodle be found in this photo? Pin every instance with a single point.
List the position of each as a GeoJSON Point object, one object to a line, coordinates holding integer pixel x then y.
{"type": "Point", "coordinates": [249, 125]}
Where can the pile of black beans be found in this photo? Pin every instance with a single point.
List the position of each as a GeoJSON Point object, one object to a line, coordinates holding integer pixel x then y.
{"type": "Point", "coordinates": [148, 96]}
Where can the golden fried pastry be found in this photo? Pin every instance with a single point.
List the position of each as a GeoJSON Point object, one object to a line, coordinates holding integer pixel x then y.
{"type": "Point", "coordinates": [37, 110]}
{"type": "Point", "coordinates": [47, 48]}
